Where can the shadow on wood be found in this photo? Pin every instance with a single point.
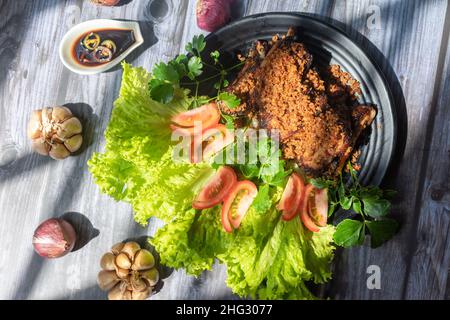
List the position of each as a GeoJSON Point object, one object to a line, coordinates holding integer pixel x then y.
{"type": "Point", "coordinates": [83, 227]}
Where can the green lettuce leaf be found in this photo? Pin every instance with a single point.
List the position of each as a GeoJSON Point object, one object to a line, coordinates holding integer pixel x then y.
{"type": "Point", "coordinates": [137, 165]}
{"type": "Point", "coordinates": [272, 258]}
{"type": "Point", "coordinates": [266, 257]}
{"type": "Point", "coordinates": [192, 241]}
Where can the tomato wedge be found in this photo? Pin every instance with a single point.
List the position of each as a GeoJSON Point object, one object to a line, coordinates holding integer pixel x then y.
{"type": "Point", "coordinates": [304, 215]}
{"type": "Point", "coordinates": [216, 189]}
{"type": "Point", "coordinates": [212, 141]}
{"type": "Point", "coordinates": [237, 203]}
{"type": "Point", "coordinates": [208, 115]}
{"type": "Point", "coordinates": [318, 206]}
{"type": "Point", "coordinates": [217, 138]}
{"type": "Point", "coordinates": [292, 197]}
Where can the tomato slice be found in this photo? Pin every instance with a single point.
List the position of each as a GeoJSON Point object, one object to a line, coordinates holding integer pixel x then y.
{"type": "Point", "coordinates": [304, 216]}
{"type": "Point", "coordinates": [318, 206]}
{"type": "Point", "coordinates": [292, 197]}
{"type": "Point", "coordinates": [208, 115]}
{"type": "Point", "coordinates": [237, 203]}
{"type": "Point", "coordinates": [217, 138]}
{"type": "Point", "coordinates": [216, 189]}
{"type": "Point", "coordinates": [212, 141]}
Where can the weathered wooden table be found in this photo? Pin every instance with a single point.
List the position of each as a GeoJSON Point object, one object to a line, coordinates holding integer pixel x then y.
{"type": "Point", "coordinates": [409, 39]}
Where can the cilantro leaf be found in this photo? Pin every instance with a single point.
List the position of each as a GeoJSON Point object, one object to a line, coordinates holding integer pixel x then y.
{"type": "Point", "coordinates": [229, 99]}
{"type": "Point", "coordinates": [250, 170]}
{"type": "Point", "coordinates": [166, 72]}
{"type": "Point", "coordinates": [225, 83]}
{"type": "Point", "coordinates": [262, 201]}
{"type": "Point", "coordinates": [279, 179]}
{"type": "Point", "coordinates": [321, 183]}
{"type": "Point", "coordinates": [195, 66]}
{"type": "Point", "coordinates": [161, 91]}
{"type": "Point", "coordinates": [197, 45]}
{"type": "Point", "coordinates": [375, 207]}
{"type": "Point", "coordinates": [349, 233]}
{"type": "Point", "coordinates": [180, 65]}
{"type": "Point", "coordinates": [229, 121]}
{"type": "Point", "coordinates": [215, 56]}
{"type": "Point", "coordinates": [381, 231]}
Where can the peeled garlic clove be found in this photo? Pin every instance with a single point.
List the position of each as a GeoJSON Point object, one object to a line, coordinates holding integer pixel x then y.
{"type": "Point", "coordinates": [59, 114]}
{"type": "Point", "coordinates": [107, 279]}
{"type": "Point", "coordinates": [40, 146]}
{"type": "Point", "coordinates": [117, 248]}
{"type": "Point", "coordinates": [58, 151]}
{"type": "Point", "coordinates": [130, 248]}
{"type": "Point", "coordinates": [143, 260]}
{"type": "Point", "coordinates": [152, 276]}
{"type": "Point", "coordinates": [74, 143]}
{"type": "Point", "coordinates": [69, 128]}
{"type": "Point", "coordinates": [141, 295]}
{"type": "Point", "coordinates": [34, 129]}
{"type": "Point", "coordinates": [107, 262]}
{"type": "Point", "coordinates": [137, 283]}
{"type": "Point", "coordinates": [122, 261]}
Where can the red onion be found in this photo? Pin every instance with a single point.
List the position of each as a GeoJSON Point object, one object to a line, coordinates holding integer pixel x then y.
{"type": "Point", "coordinates": [213, 14]}
{"type": "Point", "coordinates": [54, 238]}
{"type": "Point", "coordinates": [108, 3]}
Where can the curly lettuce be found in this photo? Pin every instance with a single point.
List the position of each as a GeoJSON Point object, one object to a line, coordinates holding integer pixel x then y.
{"type": "Point", "coordinates": [266, 257]}
{"type": "Point", "coordinates": [137, 165]}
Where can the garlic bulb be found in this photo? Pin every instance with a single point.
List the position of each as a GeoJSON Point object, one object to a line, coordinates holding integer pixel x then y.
{"type": "Point", "coordinates": [128, 272]}
{"type": "Point", "coordinates": [55, 132]}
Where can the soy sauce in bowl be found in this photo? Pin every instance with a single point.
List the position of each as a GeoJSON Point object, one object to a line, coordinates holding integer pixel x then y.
{"type": "Point", "coordinates": [98, 47]}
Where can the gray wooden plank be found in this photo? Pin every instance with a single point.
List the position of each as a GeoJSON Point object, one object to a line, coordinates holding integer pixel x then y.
{"type": "Point", "coordinates": [428, 276]}
{"type": "Point", "coordinates": [409, 36]}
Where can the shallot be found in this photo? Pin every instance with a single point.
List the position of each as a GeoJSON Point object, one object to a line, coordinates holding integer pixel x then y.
{"type": "Point", "coordinates": [213, 14]}
{"type": "Point", "coordinates": [54, 238]}
{"type": "Point", "coordinates": [108, 3]}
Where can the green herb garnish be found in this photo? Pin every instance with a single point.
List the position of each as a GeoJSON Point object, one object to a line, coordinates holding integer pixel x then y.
{"type": "Point", "coordinates": [371, 204]}
{"type": "Point", "coordinates": [166, 77]}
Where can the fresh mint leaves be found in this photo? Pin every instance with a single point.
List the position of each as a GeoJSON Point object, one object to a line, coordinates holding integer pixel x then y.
{"type": "Point", "coordinates": [381, 231]}
{"type": "Point", "coordinates": [370, 203]}
{"type": "Point", "coordinates": [349, 233]}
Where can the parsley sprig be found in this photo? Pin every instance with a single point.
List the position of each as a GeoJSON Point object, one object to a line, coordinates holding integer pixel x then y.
{"type": "Point", "coordinates": [370, 204]}
{"type": "Point", "coordinates": [166, 77]}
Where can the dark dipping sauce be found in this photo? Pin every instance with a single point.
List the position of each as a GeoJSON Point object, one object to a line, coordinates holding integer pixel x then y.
{"type": "Point", "coordinates": [122, 38]}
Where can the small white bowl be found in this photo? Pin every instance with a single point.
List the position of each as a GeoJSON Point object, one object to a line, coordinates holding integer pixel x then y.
{"type": "Point", "coordinates": [67, 44]}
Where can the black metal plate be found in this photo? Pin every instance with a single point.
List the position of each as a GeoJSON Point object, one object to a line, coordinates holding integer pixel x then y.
{"type": "Point", "coordinates": [328, 44]}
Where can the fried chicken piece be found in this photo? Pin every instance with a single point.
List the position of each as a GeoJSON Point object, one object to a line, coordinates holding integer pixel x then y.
{"type": "Point", "coordinates": [315, 115]}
